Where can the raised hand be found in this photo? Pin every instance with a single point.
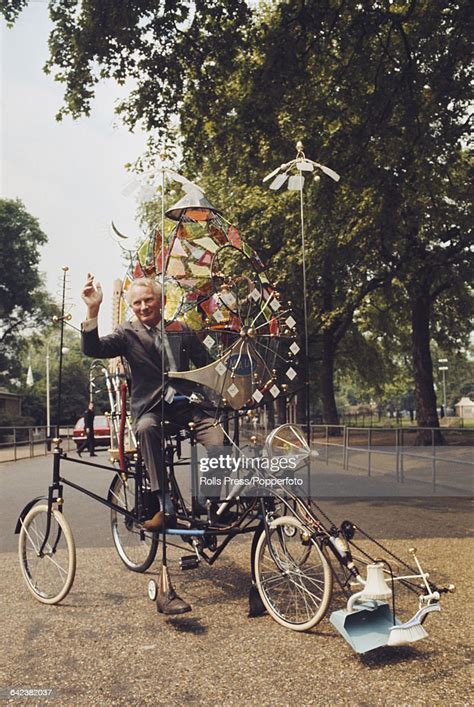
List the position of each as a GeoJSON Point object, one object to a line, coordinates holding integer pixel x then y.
{"type": "Point", "coordinates": [92, 296]}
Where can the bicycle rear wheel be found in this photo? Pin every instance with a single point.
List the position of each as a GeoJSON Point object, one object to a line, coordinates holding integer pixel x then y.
{"type": "Point", "coordinates": [136, 547]}
{"type": "Point", "coordinates": [49, 575]}
{"type": "Point", "coordinates": [292, 574]}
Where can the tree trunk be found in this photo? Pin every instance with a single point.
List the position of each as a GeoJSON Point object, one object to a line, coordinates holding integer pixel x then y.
{"type": "Point", "coordinates": [326, 377]}
{"type": "Point", "coordinates": [425, 398]}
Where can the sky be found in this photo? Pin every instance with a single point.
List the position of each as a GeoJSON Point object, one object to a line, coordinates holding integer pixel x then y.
{"type": "Point", "coordinates": [70, 175]}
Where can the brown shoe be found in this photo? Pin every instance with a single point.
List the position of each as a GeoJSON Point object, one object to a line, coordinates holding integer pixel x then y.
{"type": "Point", "coordinates": [158, 521]}
{"type": "Point", "coordinates": [170, 603]}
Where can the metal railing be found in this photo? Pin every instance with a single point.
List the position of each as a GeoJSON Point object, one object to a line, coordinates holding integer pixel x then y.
{"type": "Point", "coordinates": [373, 450]}
{"type": "Point", "coordinates": [26, 442]}
{"type": "Point", "coordinates": [413, 452]}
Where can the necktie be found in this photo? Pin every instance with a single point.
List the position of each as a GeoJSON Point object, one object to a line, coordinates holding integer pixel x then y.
{"type": "Point", "coordinates": [156, 336]}
{"type": "Point", "coordinates": [166, 357]}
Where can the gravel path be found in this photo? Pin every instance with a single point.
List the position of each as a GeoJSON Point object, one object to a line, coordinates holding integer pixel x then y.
{"type": "Point", "coordinates": [106, 645]}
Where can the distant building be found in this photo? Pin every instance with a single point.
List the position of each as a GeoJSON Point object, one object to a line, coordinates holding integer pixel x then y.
{"type": "Point", "coordinates": [10, 403]}
{"type": "Point", "coordinates": [465, 408]}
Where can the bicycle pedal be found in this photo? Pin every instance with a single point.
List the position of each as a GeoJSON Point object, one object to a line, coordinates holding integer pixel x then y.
{"type": "Point", "coordinates": [188, 562]}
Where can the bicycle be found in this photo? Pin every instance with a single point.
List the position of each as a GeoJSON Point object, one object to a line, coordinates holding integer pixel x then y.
{"type": "Point", "coordinates": [297, 552]}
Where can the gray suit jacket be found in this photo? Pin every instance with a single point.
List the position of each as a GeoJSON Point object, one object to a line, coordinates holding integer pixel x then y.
{"type": "Point", "coordinates": [135, 343]}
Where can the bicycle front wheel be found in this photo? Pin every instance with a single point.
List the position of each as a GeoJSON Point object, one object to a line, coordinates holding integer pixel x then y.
{"type": "Point", "coordinates": [48, 573]}
{"type": "Point", "coordinates": [293, 576]}
{"type": "Point", "coordinates": [136, 547]}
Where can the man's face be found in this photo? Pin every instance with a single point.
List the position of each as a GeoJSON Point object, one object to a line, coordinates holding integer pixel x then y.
{"type": "Point", "coordinates": [146, 305]}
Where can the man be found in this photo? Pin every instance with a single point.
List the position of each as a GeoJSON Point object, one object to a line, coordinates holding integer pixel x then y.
{"type": "Point", "coordinates": [139, 342]}
{"type": "Point", "coordinates": [89, 440]}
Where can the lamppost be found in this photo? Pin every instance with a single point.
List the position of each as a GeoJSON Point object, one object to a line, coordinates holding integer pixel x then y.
{"type": "Point", "coordinates": [65, 350]}
{"type": "Point", "coordinates": [48, 397]}
{"type": "Point", "coordinates": [443, 369]}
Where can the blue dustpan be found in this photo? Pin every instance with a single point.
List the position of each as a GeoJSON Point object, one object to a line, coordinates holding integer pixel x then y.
{"type": "Point", "coordinates": [366, 627]}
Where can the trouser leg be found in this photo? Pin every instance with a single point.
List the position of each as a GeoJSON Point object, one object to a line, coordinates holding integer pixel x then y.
{"type": "Point", "coordinates": [211, 436]}
{"type": "Point", "coordinates": [208, 433]}
{"type": "Point", "coordinates": [80, 447]}
{"type": "Point", "coordinates": [91, 443]}
{"type": "Point", "coordinates": [148, 431]}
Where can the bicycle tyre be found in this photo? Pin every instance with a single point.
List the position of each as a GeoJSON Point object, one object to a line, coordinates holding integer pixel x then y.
{"type": "Point", "coordinates": [135, 546]}
{"type": "Point", "coordinates": [293, 576]}
{"type": "Point", "coordinates": [49, 577]}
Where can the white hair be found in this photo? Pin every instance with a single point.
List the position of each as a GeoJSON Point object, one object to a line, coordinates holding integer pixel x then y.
{"type": "Point", "coordinates": [154, 286]}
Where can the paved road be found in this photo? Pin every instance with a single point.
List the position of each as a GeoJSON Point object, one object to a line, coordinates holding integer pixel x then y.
{"type": "Point", "coordinates": [409, 517]}
{"type": "Point", "coordinates": [105, 645]}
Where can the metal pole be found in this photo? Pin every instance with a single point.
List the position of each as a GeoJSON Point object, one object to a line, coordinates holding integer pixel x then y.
{"type": "Point", "coordinates": [443, 368]}
{"type": "Point", "coordinates": [48, 394]}
{"type": "Point", "coordinates": [163, 480]}
{"type": "Point", "coordinates": [61, 343]}
{"type": "Point", "coordinates": [369, 450]}
{"type": "Point", "coordinates": [279, 176]}
{"type": "Point", "coordinates": [305, 312]}
{"type": "Point", "coordinates": [444, 391]}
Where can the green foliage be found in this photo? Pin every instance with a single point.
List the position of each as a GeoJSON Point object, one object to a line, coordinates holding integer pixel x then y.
{"type": "Point", "coordinates": [24, 302]}
{"type": "Point", "coordinates": [377, 90]}
{"type": "Point", "coordinates": [10, 9]}
{"type": "Point", "coordinates": [155, 44]}
{"type": "Point", "coordinates": [75, 379]}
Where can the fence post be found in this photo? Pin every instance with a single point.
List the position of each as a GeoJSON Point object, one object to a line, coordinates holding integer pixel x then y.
{"type": "Point", "coordinates": [14, 444]}
{"type": "Point", "coordinates": [433, 458]}
{"type": "Point", "coordinates": [397, 454]}
{"type": "Point", "coordinates": [30, 440]}
{"type": "Point", "coordinates": [345, 454]}
{"type": "Point", "coordinates": [400, 469]}
{"type": "Point", "coordinates": [326, 443]}
{"type": "Point", "coordinates": [369, 450]}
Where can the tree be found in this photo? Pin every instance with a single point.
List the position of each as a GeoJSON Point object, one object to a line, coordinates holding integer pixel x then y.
{"type": "Point", "coordinates": [154, 44]}
{"type": "Point", "coordinates": [381, 89]}
{"type": "Point", "coordinates": [75, 379]}
{"type": "Point", "coordinates": [24, 302]}
{"type": "Point", "coordinates": [378, 90]}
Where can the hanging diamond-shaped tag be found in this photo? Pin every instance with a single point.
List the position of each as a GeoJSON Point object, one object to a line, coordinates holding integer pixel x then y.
{"type": "Point", "coordinates": [291, 373]}
{"type": "Point", "coordinates": [257, 396]}
{"type": "Point", "coordinates": [290, 322]}
{"type": "Point", "coordinates": [232, 390]}
{"type": "Point", "coordinates": [275, 391]}
{"type": "Point", "coordinates": [275, 305]}
{"type": "Point", "coordinates": [218, 316]}
{"type": "Point", "coordinates": [294, 348]}
{"type": "Point", "coordinates": [228, 298]}
{"type": "Point", "coordinates": [255, 294]}
{"type": "Point", "coordinates": [209, 342]}
{"type": "Point", "coordinates": [220, 368]}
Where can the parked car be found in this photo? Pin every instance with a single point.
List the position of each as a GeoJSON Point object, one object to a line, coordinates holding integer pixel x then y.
{"type": "Point", "coordinates": [101, 431]}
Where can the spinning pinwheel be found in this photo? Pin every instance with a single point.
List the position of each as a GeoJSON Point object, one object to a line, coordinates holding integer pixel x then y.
{"type": "Point", "coordinates": [216, 284]}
